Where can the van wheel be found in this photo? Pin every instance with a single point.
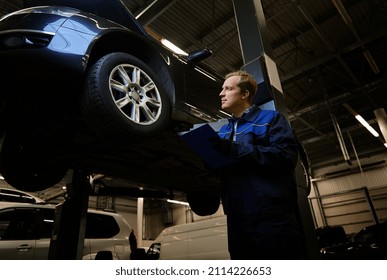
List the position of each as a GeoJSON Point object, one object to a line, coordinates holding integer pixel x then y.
{"type": "Point", "coordinates": [203, 203]}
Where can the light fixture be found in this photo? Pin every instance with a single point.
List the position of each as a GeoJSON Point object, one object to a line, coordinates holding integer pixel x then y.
{"type": "Point", "coordinates": [361, 120]}
{"type": "Point", "coordinates": [178, 202]}
{"type": "Point", "coordinates": [172, 47]}
{"type": "Point", "coordinates": [366, 125]}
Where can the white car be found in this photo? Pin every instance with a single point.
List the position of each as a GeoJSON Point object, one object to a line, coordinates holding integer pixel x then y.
{"type": "Point", "coordinates": [14, 195]}
{"type": "Point", "coordinates": [25, 232]}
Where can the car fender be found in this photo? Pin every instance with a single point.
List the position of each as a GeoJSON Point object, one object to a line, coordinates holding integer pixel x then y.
{"type": "Point", "coordinates": [123, 40]}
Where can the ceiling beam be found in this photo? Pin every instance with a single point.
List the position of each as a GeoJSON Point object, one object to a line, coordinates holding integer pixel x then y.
{"type": "Point", "coordinates": [153, 11]}
{"type": "Point", "coordinates": [290, 75]}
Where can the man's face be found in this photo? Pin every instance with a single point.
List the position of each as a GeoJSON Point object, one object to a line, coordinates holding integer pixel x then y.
{"type": "Point", "coordinates": [233, 101]}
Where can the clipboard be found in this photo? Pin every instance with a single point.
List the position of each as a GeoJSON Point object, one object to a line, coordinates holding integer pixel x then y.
{"type": "Point", "coordinates": [201, 141]}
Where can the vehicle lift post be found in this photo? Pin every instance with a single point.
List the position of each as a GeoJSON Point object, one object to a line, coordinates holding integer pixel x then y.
{"type": "Point", "coordinates": [256, 53]}
{"type": "Point", "coordinates": [67, 240]}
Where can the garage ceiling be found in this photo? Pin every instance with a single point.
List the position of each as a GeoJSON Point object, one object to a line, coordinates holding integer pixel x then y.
{"type": "Point", "coordinates": [328, 53]}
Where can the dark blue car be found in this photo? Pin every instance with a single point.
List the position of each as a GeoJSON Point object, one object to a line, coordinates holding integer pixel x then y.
{"type": "Point", "coordinates": [85, 87]}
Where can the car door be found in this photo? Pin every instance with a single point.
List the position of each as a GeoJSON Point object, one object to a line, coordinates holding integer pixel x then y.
{"type": "Point", "coordinates": [17, 234]}
{"type": "Point", "coordinates": [45, 221]}
{"type": "Point", "coordinates": [103, 233]}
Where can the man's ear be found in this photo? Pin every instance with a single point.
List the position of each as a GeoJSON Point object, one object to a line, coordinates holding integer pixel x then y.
{"type": "Point", "coordinates": [246, 94]}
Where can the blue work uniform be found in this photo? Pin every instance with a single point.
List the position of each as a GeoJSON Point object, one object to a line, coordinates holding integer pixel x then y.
{"type": "Point", "coordinates": [259, 193]}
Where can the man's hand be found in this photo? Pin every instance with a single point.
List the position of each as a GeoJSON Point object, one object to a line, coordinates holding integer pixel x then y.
{"type": "Point", "coordinates": [223, 146]}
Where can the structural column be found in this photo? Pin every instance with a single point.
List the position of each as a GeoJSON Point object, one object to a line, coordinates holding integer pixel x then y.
{"type": "Point", "coordinates": [257, 58]}
{"type": "Point", "coordinates": [67, 241]}
{"type": "Point", "coordinates": [257, 53]}
{"type": "Point", "coordinates": [140, 220]}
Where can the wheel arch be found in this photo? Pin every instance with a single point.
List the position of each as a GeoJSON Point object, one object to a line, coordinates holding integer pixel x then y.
{"type": "Point", "coordinates": [135, 45]}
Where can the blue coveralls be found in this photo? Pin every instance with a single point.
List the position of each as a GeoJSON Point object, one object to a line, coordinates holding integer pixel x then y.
{"type": "Point", "coordinates": [259, 193]}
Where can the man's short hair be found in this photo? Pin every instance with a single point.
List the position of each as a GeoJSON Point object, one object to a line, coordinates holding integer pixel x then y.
{"type": "Point", "coordinates": [246, 82]}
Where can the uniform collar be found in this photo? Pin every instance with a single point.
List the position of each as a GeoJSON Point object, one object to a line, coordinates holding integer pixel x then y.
{"type": "Point", "coordinates": [248, 113]}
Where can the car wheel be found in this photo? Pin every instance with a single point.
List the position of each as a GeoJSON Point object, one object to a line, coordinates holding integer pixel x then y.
{"type": "Point", "coordinates": [123, 96]}
{"type": "Point", "coordinates": [21, 172]}
{"type": "Point", "coordinates": [203, 203]}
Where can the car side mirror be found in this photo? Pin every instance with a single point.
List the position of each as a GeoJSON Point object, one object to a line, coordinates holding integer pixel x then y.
{"type": "Point", "coordinates": [199, 55]}
{"type": "Point", "coordinates": [153, 252]}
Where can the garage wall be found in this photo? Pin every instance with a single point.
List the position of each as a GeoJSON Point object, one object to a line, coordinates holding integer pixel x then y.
{"type": "Point", "coordinates": [353, 196]}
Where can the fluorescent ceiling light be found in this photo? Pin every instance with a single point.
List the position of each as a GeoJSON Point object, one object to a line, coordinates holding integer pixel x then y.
{"type": "Point", "coordinates": [178, 202]}
{"type": "Point", "coordinates": [366, 125]}
{"type": "Point", "coordinates": [172, 47]}
{"type": "Point", "coordinates": [361, 120]}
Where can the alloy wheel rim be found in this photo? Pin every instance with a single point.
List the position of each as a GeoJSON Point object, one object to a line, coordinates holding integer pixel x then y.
{"type": "Point", "coordinates": [135, 94]}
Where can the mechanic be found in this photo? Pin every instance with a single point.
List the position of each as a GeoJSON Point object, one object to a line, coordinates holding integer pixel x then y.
{"type": "Point", "coordinates": [259, 194]}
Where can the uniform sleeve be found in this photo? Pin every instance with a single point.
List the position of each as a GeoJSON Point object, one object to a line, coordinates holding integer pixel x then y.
{"type": "Point", "coordinates": [280, 149]}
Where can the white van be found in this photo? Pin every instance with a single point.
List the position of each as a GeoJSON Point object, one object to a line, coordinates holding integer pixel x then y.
{"type": "Point", "coordinates": [202, 240]}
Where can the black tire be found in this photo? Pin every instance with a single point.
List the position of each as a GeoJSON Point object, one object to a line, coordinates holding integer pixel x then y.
{"type": "Point", "coordinates": [123, 96]}
{"type": "Point", "coordinates": [204, 203]}
{"type": "Point", "coordinates": [18, 168]}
